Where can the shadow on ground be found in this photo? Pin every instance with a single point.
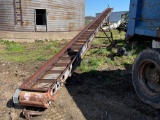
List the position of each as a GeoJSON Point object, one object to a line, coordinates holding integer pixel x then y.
{"type": "Point", "coordinates": [108, 95]}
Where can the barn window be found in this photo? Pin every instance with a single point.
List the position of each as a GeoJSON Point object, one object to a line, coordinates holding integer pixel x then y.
{"type": "Point", "coordinates": [40, 16]}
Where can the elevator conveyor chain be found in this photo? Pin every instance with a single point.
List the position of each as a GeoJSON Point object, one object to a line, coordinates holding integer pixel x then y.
{"type": "Point", "coordinates": [40, 89]}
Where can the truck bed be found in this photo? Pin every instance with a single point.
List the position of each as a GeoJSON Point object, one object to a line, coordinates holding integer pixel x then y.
{"type": "Point", "coordinates": [144, 18]}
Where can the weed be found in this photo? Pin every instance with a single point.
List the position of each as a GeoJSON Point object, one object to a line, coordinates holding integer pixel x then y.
{"type": "Point", "coordinates": [91, 64]}
{"type": "Point", "coordinates": [24, 52]}
{"type": "Point", "coordinates": [48, 47]}
{"type": "Point", "coordinates": [83, 66]}
{"type": "Point", "coordinates": [102, 52]}
{"type": "Point", "coordinates": [110, 61]}
{"type": "Point", "coordinates": [12, 46]}
{"type": "Point", "coordinates": [15, 48]}
{"type": "Point", "coordinates": [95, 59]}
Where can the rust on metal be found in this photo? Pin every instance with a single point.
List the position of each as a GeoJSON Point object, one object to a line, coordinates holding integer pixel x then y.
{"type": "Point", "coordinates": [37, 99]}
{"type": "Point", "coordinates": [41, 88]}
{"type": "Point", "coordinates": [29, 113]}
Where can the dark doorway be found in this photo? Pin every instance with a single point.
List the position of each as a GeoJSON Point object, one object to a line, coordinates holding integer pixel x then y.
{"type": "Point", "coordinates": [40, 20]}
{"type": "Point", "coordinates": [40, 16]}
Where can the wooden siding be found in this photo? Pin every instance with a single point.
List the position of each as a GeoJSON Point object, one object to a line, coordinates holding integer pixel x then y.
{"type": "Point", "coordinates": [62, 15]}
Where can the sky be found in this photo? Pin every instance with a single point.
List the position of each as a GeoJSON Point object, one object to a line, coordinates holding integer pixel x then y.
{"type": "Point", "coordinates": [97, 6]}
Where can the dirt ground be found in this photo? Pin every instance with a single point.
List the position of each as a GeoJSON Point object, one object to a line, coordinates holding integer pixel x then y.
{"type": "Point", "coordinates": [98, 95]}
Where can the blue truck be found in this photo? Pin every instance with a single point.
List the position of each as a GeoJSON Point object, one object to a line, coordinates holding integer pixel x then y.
{"type": "Point", "coordinates": [144, 25]}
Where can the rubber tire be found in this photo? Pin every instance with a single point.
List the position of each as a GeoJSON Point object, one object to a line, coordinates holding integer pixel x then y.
{"type": "Point", "coordinates": [146, 55]}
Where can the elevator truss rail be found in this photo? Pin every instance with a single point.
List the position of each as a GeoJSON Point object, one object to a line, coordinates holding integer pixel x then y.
{"type": "Point", "coordinates": [40, 89]}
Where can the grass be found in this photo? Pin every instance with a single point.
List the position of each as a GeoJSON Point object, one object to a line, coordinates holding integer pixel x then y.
{"type": "Point", "coordinates": [28, 52]}
{"type": "Point", "coordinates": [13, 46]}
{"type": "Point", "coordinates": [106, 57]}
{"type": "Point", "coordinates": [95, 59]}
{"type": "Point", "coordinates": [90, 64]}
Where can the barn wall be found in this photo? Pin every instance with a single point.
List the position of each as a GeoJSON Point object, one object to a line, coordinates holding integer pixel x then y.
{"type": "Point", "coordinates": [7, 15]}
{"type": "Point", "coordinates": [62, 15]}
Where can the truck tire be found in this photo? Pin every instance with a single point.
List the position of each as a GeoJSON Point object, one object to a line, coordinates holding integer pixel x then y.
{"type": "Point", "coordinates": [146, 77]}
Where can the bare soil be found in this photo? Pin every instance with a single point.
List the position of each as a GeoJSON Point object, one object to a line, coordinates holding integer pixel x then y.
{"type": "Point", "coordinates": [95, 95]}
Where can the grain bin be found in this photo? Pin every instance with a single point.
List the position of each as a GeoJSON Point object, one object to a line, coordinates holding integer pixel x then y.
{"type": "Point", "coordinates": [41, 15]}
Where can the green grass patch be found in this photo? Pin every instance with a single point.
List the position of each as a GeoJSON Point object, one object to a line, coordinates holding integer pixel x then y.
{"type": "Point", "coordinates": [25, 52]}
{"type": "Point", "coordinates": [12, 46]}
{"type": "Point", "coordinates": [15, 48]}
{"type": "Point", "coordinates": [95, 59]}
{"type": "Point", "coordinates": [103, 57]}
{"type": "Point", "coordinates": [91, 63]}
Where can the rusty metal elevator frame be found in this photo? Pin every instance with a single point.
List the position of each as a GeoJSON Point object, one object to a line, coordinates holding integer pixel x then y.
{"type": "Point", "coordinates": [40, 89]}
